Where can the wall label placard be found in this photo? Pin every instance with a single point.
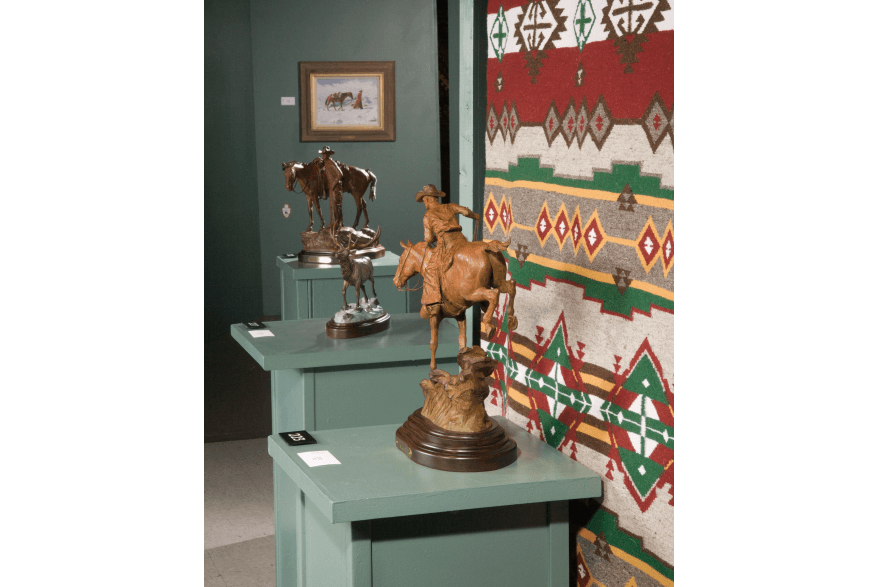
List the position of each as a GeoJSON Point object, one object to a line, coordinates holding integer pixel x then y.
{"type": "Point", "coordinates": [298, 438]}
{"type": "Point", "coordinates": [318, 458]}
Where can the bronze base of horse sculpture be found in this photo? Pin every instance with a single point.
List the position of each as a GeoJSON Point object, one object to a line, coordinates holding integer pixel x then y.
{"type": "Point", "coordinates": [452, 432]}
{"type": "Point", "coordinates": [434, 447]}
{"type": "Point", "coordinates": [357, 329]}
{"type": "Point", "coordinates": [320, 247]}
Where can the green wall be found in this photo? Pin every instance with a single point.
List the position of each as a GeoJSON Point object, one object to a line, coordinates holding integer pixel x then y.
{"type": "Point", "coordinates": [232, 279]}
{"type": "Point", "coordinates": [284, 33]}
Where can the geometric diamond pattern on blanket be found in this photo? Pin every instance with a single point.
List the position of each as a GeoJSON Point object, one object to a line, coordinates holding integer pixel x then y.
{"type": "Point", "coordinates": [492, 124]}
{"type": "Point", "coordinates": [543, 224]}
{"type": "Point", "coordinates": [582, 123]}
{"type": "Point", "coordinates": [648, 245]}
{"type": "Point", "coordinates": [575, 228]}
{"type": "Point", "coordinates": [640, 425]}
{"type": "Point", "coordinates": [667, 248]}
{"type": "Point", "coordinates": [568, 125]}
{"type": "Point", "coordinates": [506, 217]}
{"type": "Point", "coordinates": [514, 122]}
{"type": "Point", "coordinates": [561, 226]}
{"type": "Point", "coordinates": [551, 124]}
{"type": "Point", "coordinates": [601, 123]}
{"type": "Point", "coordinates": [594, 236]}
{"type": "Point", "coordinates": [491, 213]}
{"type": "Point", "coordinates": [589, 369]}
{"type": "Point", "coordinates": [656, 121]}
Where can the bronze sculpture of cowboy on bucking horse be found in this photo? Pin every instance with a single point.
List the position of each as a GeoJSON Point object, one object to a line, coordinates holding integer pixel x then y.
{"type": "Point", "coordinates": [452, 432]}
{"type": "Point", "coordinates": [456, 273]}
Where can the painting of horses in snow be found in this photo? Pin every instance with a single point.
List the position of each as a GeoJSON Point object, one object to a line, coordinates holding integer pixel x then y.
{"type": "Point", "coordinates": [348, 100]}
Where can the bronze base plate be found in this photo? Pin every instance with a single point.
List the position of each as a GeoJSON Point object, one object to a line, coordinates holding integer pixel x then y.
{"type": "Point", "coordinates": [335, 330]}
{"type": "Point", "coordinates": [329, 258]}
{"type": "Point", "coordinates": [463, 452]}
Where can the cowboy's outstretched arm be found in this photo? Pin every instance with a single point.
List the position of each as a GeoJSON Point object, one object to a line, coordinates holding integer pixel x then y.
{"type": "Point", "coordinates": [464, 211]}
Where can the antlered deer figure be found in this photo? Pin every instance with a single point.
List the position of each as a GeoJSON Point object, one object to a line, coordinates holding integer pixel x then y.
{"type": "Point", "coordinates": [356, 271]}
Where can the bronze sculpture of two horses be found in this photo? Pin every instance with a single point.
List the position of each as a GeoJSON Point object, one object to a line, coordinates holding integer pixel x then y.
{"type": "Point", "coordinates": [338, 98]}
{"type": "Point", "coordinates": [354, 181]}
{"type": "Point", "coordinates": [476, 275]}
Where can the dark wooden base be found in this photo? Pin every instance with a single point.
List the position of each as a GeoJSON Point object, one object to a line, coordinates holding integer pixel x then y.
{"type": "Point", "coordinates": [329, 258]}
{"type": "Point", "coordinates": [355, 330]}
{"type": "Point", "coordinates": [464, 452]}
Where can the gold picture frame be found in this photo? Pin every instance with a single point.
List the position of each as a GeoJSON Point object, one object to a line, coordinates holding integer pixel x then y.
{"type": "Point", "coordinates": [347, 100]}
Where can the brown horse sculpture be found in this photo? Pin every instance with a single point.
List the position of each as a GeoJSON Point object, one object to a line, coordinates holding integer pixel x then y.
{"type": "Point", "coordinates": [308, 177]}
{"type": "Point", "coordinates": [354, 181]}
{"type": "Point", "coordinates": [477, 275]}
{"type": "Point", "coordinates": [338, 98]}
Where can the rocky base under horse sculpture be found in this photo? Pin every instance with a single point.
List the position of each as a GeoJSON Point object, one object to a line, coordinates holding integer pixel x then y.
{"type": "Point", "coordinates": [452, 432]}
{"type": "Point", "coordinates": [355, 320]}
{"type": "Point", "coordinates": [319, 247]}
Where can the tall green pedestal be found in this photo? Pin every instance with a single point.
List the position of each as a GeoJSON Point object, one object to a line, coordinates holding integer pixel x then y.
{"type": "Point", "coordinates": [311, 291]}
{"type": "Point", "coordinates": [320, 383]}
{"type": "Point", "coordinates": [378, 519]}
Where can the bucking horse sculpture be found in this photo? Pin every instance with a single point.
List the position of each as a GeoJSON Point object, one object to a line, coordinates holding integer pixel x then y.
{"type": "Point", "coordinates": [338, 98]}
{"type": "Point", "coordinates": [354, 181]}
{"type": "Point", "coordinates": [477, 275]}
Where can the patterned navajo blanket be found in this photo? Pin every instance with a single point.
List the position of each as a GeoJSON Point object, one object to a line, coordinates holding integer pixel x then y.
{"type": "Point", "coordinates": [579, 173]}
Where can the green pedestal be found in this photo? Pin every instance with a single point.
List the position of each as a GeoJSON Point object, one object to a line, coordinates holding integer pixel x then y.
{"type": "Point", "coordinates": [308, 291]}
{"type": "Point", "coordinates": [379, 519]}
{"type": "Point", "coordinates": [320, 383]}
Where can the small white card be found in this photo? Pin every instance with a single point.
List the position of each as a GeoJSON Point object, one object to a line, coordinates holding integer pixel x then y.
{"type": "Point", "coordinates": [258, 333]}
{"type": "Point", "coordinates": [318, 458]}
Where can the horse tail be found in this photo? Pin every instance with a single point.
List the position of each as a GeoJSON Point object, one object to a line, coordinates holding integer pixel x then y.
{"type": "Point", "coordinates": [374, 180]}
{"type": "Point", "coordinates": [496, 246]}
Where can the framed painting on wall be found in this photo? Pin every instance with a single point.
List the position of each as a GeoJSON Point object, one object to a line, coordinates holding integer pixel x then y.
{"type": "Point", "coordinates": [348, 100]}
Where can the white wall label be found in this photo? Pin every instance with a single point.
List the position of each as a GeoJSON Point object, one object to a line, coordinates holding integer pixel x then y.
{"type": "Point", "coordinates": [287, 101]}
{"type": "Point", "coordinates": [318, 458]}
{"type": "Point", "coordinates": [260, 333]}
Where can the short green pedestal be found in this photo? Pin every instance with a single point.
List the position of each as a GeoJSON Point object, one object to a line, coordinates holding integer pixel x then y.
{"type": "Point", "coordinates": [378, 519]}
{"type": "Point", "coordinates": [321, 383]}
{"type": "Point", "coordinates": [310, 291]}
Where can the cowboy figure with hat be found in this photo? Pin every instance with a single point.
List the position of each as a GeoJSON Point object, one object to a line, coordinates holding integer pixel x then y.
{"type": "Point", "coordinates": [331, 184]}
{"type": "Point", "coordinates": [440, 226]}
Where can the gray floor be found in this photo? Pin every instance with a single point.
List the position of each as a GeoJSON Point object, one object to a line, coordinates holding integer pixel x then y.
{"type": "Point", "coordinates": [238, 514]}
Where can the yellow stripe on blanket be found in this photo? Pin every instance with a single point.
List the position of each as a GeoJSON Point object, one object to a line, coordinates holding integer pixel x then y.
{"type": "Point", "coordinates": [595, 275]}
{"type": "Point", "coordinates": [579, 192]}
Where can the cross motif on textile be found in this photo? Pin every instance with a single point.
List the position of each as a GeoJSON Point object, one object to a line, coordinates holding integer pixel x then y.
{"type": "Point", "coordinates": [536, 25]}
{"type": "Point", "coordinates": [500, 35]}
{"type": "Point", "coordinates": [582, 20]}
{"type": "Point", "coordinates": [630, 9]}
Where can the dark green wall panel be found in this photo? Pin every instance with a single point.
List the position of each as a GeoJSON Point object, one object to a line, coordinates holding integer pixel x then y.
{"type": "Point", "coordinates": [232, 274]}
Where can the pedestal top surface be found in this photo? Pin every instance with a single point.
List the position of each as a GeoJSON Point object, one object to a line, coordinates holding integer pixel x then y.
{"type": "Point", "coordinates": [376, 480]}
{"type": "Point", "coordinates": [299, 344]}
{"type": "Point", "coordinates": [383, 266]}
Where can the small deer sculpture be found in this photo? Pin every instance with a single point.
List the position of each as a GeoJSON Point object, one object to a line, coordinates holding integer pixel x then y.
{"type": "Point", "coordinates": [355, 271]}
